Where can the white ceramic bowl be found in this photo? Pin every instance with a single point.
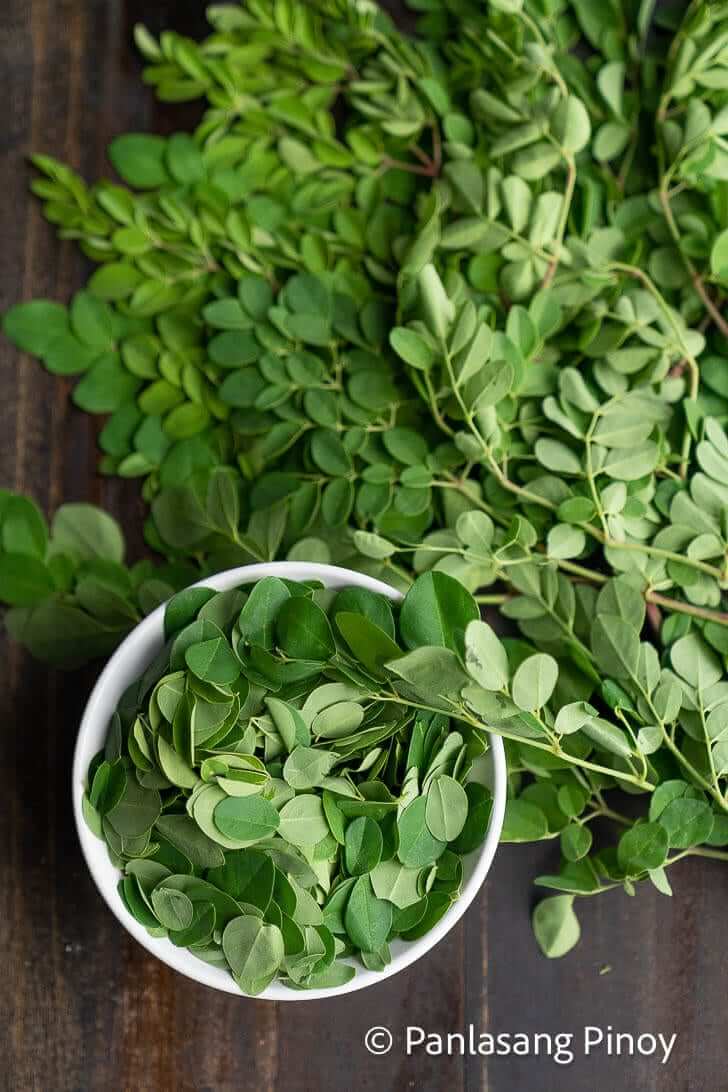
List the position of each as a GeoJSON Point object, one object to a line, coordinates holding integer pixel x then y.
{"type": "Point", "coordinates": [127, 664]}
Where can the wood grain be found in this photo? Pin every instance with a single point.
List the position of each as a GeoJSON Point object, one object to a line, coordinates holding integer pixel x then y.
{"type": "Point", "coordinates": [82, 1007]}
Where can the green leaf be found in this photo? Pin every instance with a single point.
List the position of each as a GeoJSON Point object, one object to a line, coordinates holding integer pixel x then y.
{"type": "Point", "coordinates": [412, 348]}
{"type": "Point", "coordinates": [106, 386]}
{"type": "Point", "coordinates": [557, 457]}
{"type": "Point", "coordinates": [446, 809]}
{"type": "Point", "coordinates": [136, 811]}
{"type": "Point", "coordinates": [245, 818]}
{"type": "Point", "coordinates": [376, 608]}
{"type": "Point", "coordinates": [616, 646]}
{"type": "Point", "coordinates": [233, 349]}
{"type": "Point", "coordinates": [108, 786]}
{"type": "Point", "coordinates": [436, 611]}
{"type": "Point", "coordinates": [396, 883]}
{"type": "Point", "coordinates": [556, 926]}
{"type": "Point", "coordinates": [66, 355]}
{"type": "Point", "coordinates": [213, 661]}
{"type": "Point", "coordinates": [328, 452]}
{"type": "Point", "coordinates": [115, 281]}
{"type": "Point", "coordinates": [32, 326]}
{"type": "Point", "coordinates": [61, 634]}
{"type": "Point", "coordinates": [374, 546]}
{"type": "Point", "coordinates": [417, 845]}
{"type": "Point", "coordinates": [291, 726]}
{"type": "Point", "coordinates": [570, 124]}
{"type": "Point", "coordinates": [629, 465]}
{"type": "Point", "coordinates": [575, 841]}
{"type": "Point", "coordinates": [371, 645]}
{"type": "Point", "coordinates": [437, 308]}
{"type": "Point", "coordinates": [303, 630]}
{"type": "Point", "coordinates": [610, 82]}
{"type": "Point", "coordinates": [643, 848]}
{"type": "Point", "coordinates": [368, 919]}
{"type": "Point", "coordinates": [307, 767]}
{"type": "Point", "coordinates": [24, 581]}
{"type": "Point", "coordinates": [620, 597]}
{"type": "Point", "coordinates": [87, 533]}
{"type": "Point", "coordinates": [139, 159]}
{"type": "Point", "coordinates": [182, 608]}
{"type": "Point", "coordinates": [433, 676]}
{"type": "Point", "coordinates": [184, 159]}
{"type": "Point", "coordinates": [480, 805]}
{"type": "Point", "coordinates": [22, 526]}
{"type": "Point", "coordinates": [523, 822]}
{"type": "Point", "coordinates": [303, 822]}
{"type": "Point", "coordinates": [335, 819]}
{"type": "Point", "coordinates": [254, 952]}
{"type": "Point", "coordinates": [259, 613]}
{"type": "Point", "coordinates": [248, 875]}
{"type": "Point", "coordinates": [565, 541]}
{"type": "Point", "coordinates": [173, 908]}
{"type": "Point", "coordinates": [718, 256]}
{"type": "Point", "coordinates": [687, 822]}
{"type": "Point", "coordinates": [485, 656]}
{"type": "Point", "coordinates": [362, 845]}
{"type": "Point", "coordinates": [576, 510]}
{"type": "Point", "coordinates": [572, 717]}
{"type": "Point", "coordinates": [607, 736]}
{"type": "Point", "coordinates": [696, 662]}
{"type": "Point", "coordinates": [92, 323]}
{"type": "Point", "coordinates": [182, 832]}
{"type": "Point", "coordinates": [534, 681]}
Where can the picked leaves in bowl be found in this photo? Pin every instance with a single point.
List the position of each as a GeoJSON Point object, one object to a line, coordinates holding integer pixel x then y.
{"type": "Point", "coordinates": [294, 780]}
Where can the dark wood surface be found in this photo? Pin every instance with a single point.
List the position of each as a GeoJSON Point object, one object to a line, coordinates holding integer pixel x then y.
{"type": "Point", "coordinates": [82, 1006]}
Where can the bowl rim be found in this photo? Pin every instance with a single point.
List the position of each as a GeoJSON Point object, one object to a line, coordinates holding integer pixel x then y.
{"type": "Point", "coordinates": [101, 704]}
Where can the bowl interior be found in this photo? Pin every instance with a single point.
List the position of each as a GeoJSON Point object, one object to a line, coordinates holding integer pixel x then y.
{"type": "Point", "coordinates": [126, 664]}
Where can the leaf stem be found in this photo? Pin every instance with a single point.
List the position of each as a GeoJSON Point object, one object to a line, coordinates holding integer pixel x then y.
{"type": "Point", "coordinates": [594, 532]}
{"type": "Point", "coordinates": [460, 713]}
{"type": "Point", "coordinates": [563, 219]}
{"type": "Point", "coordinates": [719, 617]}
{"type": "Point", "coordinates": [580, 570]}
{"type": "Point", "coordinates": [697, 280]}
{"type": "Point", "coordinates": [687, 765]}
{"type": "Point", "coordinates": [640, 275]}
{"type": "Point", "coordinates": [700, 851]}
{"type": "Point", "coordinates": [427, 170]}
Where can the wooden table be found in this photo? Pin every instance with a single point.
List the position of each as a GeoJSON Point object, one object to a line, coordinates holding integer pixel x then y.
{"type": "Point", "coordinates": [83, 1007]}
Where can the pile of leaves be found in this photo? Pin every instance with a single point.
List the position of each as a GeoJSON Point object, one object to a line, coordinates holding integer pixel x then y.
{"type": "Point", "coordinates": [446, 302]}
{"type": "Point", "coordinates": [306, 724]}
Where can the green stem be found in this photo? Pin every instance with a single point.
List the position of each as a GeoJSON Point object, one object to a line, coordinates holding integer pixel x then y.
{"type": "Point", "coordinates": [563, 218]}
{"type": "Point", "coordinates": [432, 399]}
{"type": "Point", "coordinates": [609, 813]}
{"type": "Point", "coordinates": [594, 532]}
{"type": "Point", "coordinates": [697, 280]}
{"type": "Point", "coordinates": [580, 570]}
{"type": "Point", "coordinates": [699, 851]}
{"type": "Point", "coordinates": [698, 777]}
{"type": "Point", "coordinates": [590, 474]}
{"type": "Point", "coordinates": [461, 714]}
{"type": "Point", "coordinates": [641, 276]}
{"type": "Point", "coordinates": [720, 618]}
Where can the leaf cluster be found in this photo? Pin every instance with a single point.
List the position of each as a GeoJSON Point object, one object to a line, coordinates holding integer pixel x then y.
{"type": "Point", "coordinates": [443, 305]}
{"type": "Point", "coordinates": [274, 802]}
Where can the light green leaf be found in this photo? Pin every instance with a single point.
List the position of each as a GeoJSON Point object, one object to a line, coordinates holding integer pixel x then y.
{"type": "Point", "coordinates": [485, 656]}
{"type": "Point", "coordinates": [534, 681]}
{"type": "Point", "coordinates": [556, 926]}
